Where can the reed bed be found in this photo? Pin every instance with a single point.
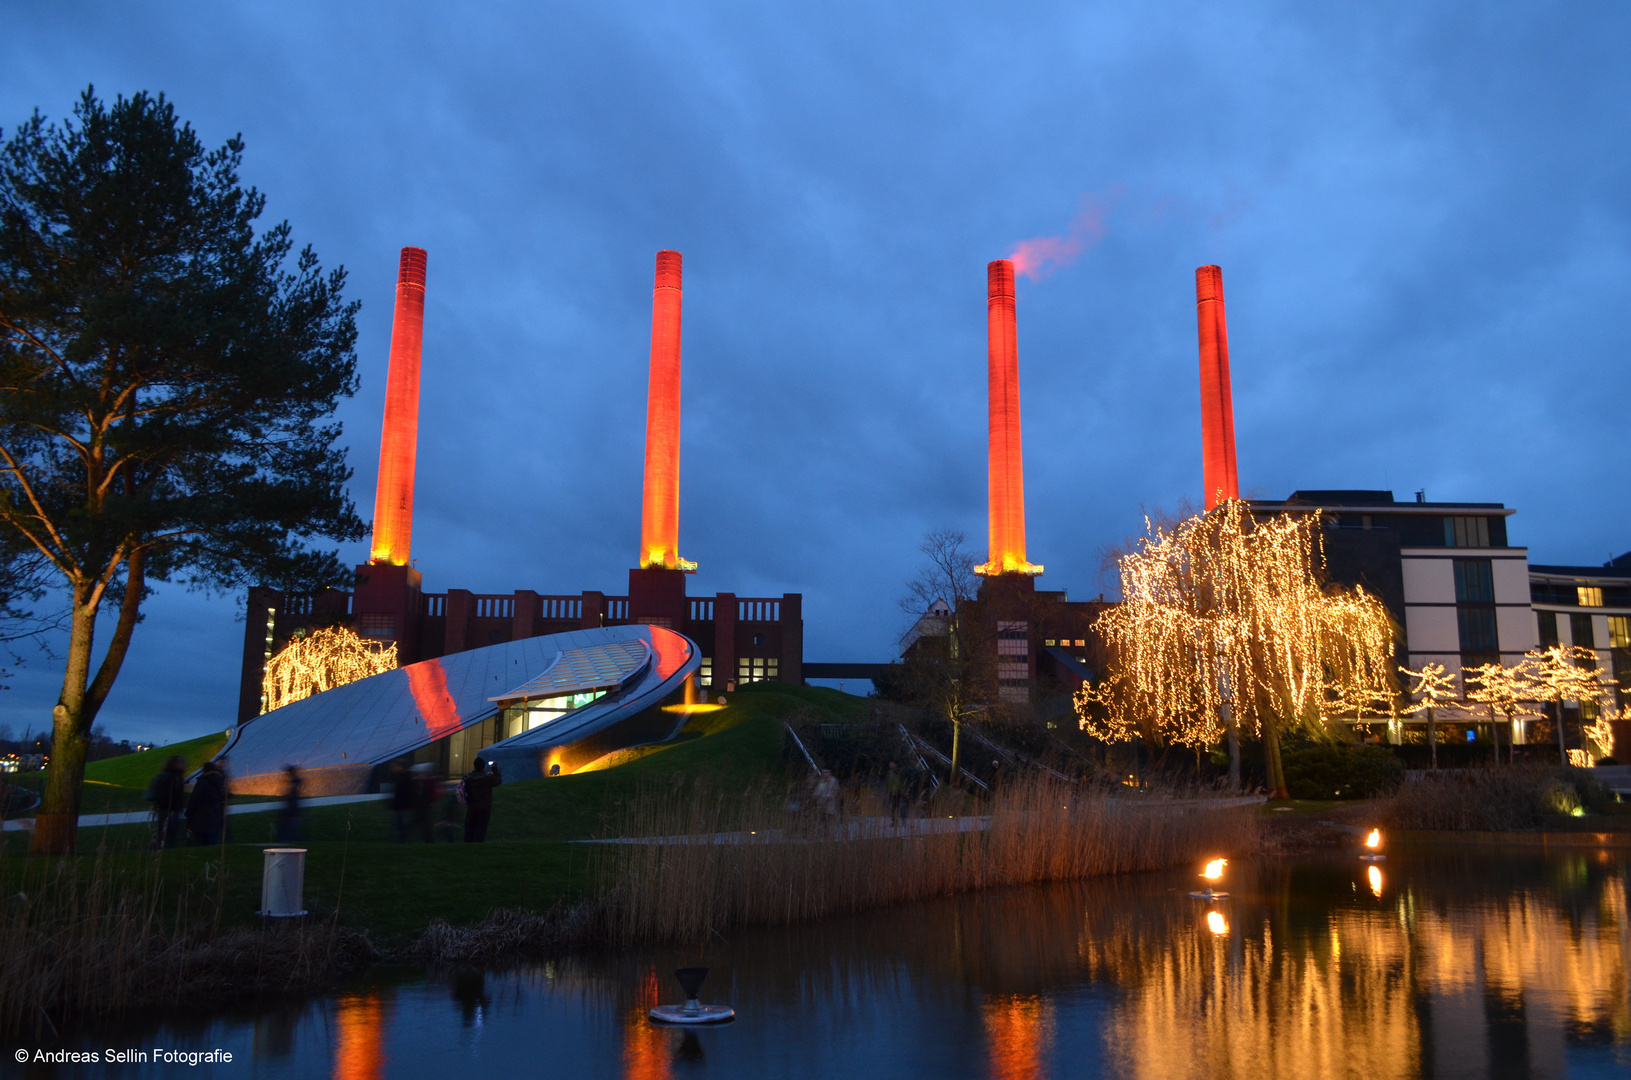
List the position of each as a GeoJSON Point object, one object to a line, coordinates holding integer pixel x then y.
{"type": "Point", "coordinates": [1500, 799]}
{"type": "Point", "coordinates": [730, 859]}
{"type": "Point", "coordinates": [79, 941]}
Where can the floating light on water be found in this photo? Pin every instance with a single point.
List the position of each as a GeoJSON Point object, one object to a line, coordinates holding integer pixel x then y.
{"type": "Point", "coordinates": [1373, 847]}
{"type": "Point", "coordinates": [1213, 871]}
{"type": "Point", "coordinates": [1216, 923]}
{"type": "Point", "coordinates": [1375, 876]}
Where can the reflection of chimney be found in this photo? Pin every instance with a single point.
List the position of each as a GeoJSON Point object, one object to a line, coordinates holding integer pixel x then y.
{"type": "Point", "coordinates": [1217, 405]}
{"type": "Point", "coordinates": [660, 520]}
{"type": "Point", "coordinates": [1005, 456]}
{"type": "Point", "coordinates": [399, 438]}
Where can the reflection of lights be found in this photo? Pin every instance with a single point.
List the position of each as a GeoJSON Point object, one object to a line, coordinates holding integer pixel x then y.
{"type": "Point", "coordinates": [1375, 876]}
{"type": "Point", "coordinates": [1019, 1031]}
{"type": "Point", "coordinates": [1214, 869]}
{"type": "Point", "coordinates": [1216, 923]}
{"type": "Point", "coordinates": [359, 1045]}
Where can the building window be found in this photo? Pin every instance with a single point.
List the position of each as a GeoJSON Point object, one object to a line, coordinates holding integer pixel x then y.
{"type": "Point", "coordinates": [1470, 532]}
{"type": "Point", "coordinates": [705, 673]}
{"type": "Point", "coordinates": [1474, 581]}
{"type": "Point", "coordinates": [1013, 639]}
{"type": "Point", "coordinates": [1546, 627]}
{"type": "Point", "coordinates": [1619, 632]}
{"type": "Point", "coordinates": [757, 669]}
{"type": "Point", "coordinates": [374, 625]}
{"type": "Point", "coordinates": [1477, 626]}
{"type": "Point", "coordinates": [1580, 630]}
{"type": "Point", "coordinates": [1589, 595]}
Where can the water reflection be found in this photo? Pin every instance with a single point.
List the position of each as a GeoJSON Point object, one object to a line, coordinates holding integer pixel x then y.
{"type": "Point", "coordinates": [1439, 966]}
{"type": "Point", "coordinates": [359, 1042]}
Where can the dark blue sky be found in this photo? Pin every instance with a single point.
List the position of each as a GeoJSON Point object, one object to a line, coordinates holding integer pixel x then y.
{"type": "Point", "coordinates": [1421, 212]}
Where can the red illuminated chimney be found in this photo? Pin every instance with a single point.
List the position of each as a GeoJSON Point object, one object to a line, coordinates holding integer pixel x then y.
{"type": "Point", "coordinates": [399, 438]}
{"type": "Point", "coordinates": [1005, 460]}
{"type": "Point", "coordinates": [660, 518]}
{"type": "Point", "coordinates": [1217, 405]}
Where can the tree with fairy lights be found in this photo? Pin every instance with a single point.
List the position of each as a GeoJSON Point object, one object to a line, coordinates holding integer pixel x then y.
{"type": "Point", "coordinates": [1567, 673]}
{"type": "Point", "coordinates": [1506, 691]}
{"type": "Point", "coordinates": [1432, 688]}
{"type": "Point", "coordinates": [1227, 625]}
{"type": "Point", "coordinates": [319, 661]}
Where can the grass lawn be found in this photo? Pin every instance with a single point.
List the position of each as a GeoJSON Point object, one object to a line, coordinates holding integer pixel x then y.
{"type": "Point", "coordinates": [393, 890]}
{"type": "Point", "coordinates": [116, 785]}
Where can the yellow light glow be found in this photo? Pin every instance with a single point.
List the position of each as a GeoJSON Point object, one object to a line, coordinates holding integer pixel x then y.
{"type": "Point", "coordinates": [321, 661]}
{"type": "Point", "coordinates": [1226, 612]}
{"type": "Point", "coordinates": [1214, 869]}
{"type": "Point", "coordinates": [1374, 840]}
{"type": "Point", "coordinates": [697, 707]}
{"type": "Point", "coordinates": [1375, 876]}
{"type": "Point", "coordinates": [1216, 923]}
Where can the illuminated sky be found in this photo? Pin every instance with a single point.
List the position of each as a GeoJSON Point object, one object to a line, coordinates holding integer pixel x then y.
{"type": "Point", "coordinates": [1421, 217]}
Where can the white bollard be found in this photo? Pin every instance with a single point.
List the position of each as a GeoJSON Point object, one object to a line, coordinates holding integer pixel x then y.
{"type": "Point", "coordinates": [283, 883]}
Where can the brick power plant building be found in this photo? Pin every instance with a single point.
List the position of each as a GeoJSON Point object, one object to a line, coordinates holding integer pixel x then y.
{"type": "Point", "coordinates": [742, 639]}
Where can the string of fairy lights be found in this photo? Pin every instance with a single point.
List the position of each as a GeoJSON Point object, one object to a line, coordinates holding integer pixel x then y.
{"type": "Point", "coordinates": [1227, 615]}
{"type": "Point", "coordinates": [321, 660]}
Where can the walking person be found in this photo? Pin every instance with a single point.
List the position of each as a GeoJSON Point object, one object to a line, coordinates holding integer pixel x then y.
{"type": "Point", "coordinates": [478, 787]}
{"type": "Point", "coordinates": [894, 785]}
{"type": "Point", "coordinates": [168, 794]}
{"type": "Point", "coordinates": [207, 808]}
{"type": "Point", "coordinates": [289, 825]}
{"type": "Point", "coordinates": [425, 790]}
{"type": "Point", "coordinates": [826, 799]}
{"type": "Point", "coordinates": [403, 797]}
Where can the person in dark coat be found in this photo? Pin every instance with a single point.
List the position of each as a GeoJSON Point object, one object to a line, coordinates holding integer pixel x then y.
{"type": "Point", "coordinates": [207, 809]}
{"type": "Point", "coordinates": [478, 800]}
{"type": "Point", "coordinates": [426, 789]}
{"type": "Point", "coordinates": [289, 823]}
{"type": "Point", "coordinates": [168, 794]}
{"type": "Point", "coordinates": [403, 796]}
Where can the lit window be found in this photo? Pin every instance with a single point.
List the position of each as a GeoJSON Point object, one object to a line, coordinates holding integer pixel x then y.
{"type": "Point", "coordinates": [376, 625]}
{"type": "Point", "coordinates": [705, 673]}
{"type": "Point", "coordinates": [1051, 642]}
{"type": "Point", "coordinates": [1590, 595]}
{"type": "Point", "coordinates": [1081, 642]}
{"type": "Point", "coordinates": [1619, 632]}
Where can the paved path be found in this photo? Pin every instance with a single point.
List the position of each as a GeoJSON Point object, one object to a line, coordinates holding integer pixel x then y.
{"type": "Point", "coordinates": [141, 817]}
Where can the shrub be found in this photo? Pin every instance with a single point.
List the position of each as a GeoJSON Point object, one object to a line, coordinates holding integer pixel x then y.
{"type": "Point", "coordinates": [1340, 772]}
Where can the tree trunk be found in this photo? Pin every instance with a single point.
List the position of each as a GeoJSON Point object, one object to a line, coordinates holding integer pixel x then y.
{"type": "Point", "coordinates": [956, 730]}
{"type": "Point", "coordinates": [56, 826]}
{"type": "Point", "coordinates": [1432, 738]}
{"type": "Point", "coordinates": [1562, 747]}
{"type": "Point", "coordinates": [1271, 761]}
{"type": "Point", "coordinates": [1234, 747]}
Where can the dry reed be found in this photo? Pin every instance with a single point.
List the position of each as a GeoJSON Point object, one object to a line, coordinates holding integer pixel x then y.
{"type": "Point", "coordinates": [1501, 799]}
{"type": "Point", "coordinates": [735, 859]}
{"type": "Point", "coordinates": [80, 941]}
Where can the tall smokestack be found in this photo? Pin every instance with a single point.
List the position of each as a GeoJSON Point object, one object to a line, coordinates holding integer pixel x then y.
{"type": "Point", "coordinates": [399, 438]}
{"type": "Point", "coordinates": [1217, 404]}
{"type": "Point", "coordinates": [1006, 463]}
{"type": "Point", "coordinates": [660, 520]}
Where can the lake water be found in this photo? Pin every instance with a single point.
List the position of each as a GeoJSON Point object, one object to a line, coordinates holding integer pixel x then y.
{"type": "Point", "coordinates": [1432, 964]}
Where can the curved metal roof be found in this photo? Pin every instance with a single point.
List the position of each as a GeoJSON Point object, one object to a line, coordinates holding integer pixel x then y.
{"type": "Point", "coordinates": [384, 716]}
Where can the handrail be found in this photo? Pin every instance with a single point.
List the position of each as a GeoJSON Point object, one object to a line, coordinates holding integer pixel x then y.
{"type": "Point", "coordinates": [798, 742]}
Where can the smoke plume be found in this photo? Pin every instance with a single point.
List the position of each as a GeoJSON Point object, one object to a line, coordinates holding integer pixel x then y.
{"type": "Point", "coordinates": [1042, 255]}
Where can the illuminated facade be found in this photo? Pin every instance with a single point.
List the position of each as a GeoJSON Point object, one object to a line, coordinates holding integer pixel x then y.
{"type": "Point", "coordinates": [1005, 452]}
{"type": "Point", "coordinates": [399, 434]}
{"type": "Point", "coordinates": [660, 504]}
{"type": "Point", "coordinates": [559, 699]}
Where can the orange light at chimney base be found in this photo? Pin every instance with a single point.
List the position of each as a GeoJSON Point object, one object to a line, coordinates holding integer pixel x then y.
{"type": "Point", "coordinates": [1217, 404]}
{"type": "Point", "coordinates": [399, 437]}
{"type": "Point", "coordinates": [660, 517]}
{"type": "Point", "coordinates": [1005, 455]}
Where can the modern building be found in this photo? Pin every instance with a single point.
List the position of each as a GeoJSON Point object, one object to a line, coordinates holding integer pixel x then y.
{"type": "Point", "coordinates": [538, 705]}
